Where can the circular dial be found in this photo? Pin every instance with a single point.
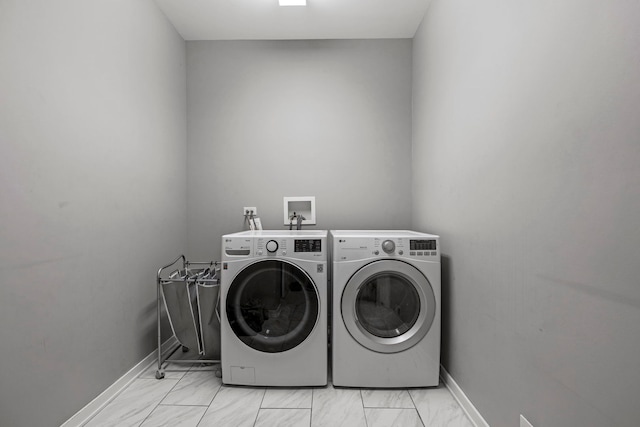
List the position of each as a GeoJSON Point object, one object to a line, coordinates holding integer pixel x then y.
{"type": "Point", "coordinates": [272, 246]}
{"type": "Point", "coordinates": [388, 246]}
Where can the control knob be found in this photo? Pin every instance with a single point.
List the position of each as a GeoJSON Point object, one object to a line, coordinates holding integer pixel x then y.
{"type": "Point", "coordinates": [388, 246]}
{"type": "Point", "coordinates": [272, 246]}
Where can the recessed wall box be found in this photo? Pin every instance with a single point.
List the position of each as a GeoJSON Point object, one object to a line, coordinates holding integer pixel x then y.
{"type": "Point", "coordinates": [305, 206]}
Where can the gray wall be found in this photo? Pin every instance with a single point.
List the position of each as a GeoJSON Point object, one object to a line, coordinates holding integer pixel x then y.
{"type": "Point", "coordinates": [92, 196]}
{"type": "Point", "coordinates": [330, 119]}
{"type": "Point", "coordinates": [527, 162]}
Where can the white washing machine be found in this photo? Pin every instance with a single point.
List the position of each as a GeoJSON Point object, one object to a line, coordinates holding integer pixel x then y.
{"type": "Point", "coordinates": [386, 309]}
{"type": "Point", "coordinates": [274, 308]}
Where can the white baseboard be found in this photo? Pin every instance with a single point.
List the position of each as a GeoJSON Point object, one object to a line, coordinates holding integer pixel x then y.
{"type": "Point", "coordinates": [463, 400]}
{"type": "Point", "coordinates": [96, 405]}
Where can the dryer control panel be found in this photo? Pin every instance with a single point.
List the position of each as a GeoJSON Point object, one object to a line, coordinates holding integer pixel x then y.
{"type": "Point", "coordinates": [423, 248]}
{"type": "Point", "coordinates": [357, 248]}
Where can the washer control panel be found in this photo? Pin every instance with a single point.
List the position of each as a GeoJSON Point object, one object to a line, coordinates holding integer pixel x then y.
{"type": "Point", "coordinates": [301, 248]}
{"type": "Point", "coordinates": [309, 245]}
{"type": "Point", "coordinates": [238, 246]}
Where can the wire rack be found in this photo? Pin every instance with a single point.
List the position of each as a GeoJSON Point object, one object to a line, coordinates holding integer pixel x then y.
{"type": "Point", "coordinates": [189, 292]}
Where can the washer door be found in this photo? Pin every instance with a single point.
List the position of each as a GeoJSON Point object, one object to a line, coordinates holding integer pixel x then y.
{"type": "Point", "coordinates": [388, 306]}
{"type": "Point", "coordinates": [272, 305]}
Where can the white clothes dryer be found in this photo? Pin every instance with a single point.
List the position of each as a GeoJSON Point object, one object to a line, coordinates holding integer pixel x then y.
{"type": "Point", "coordinates": [386, 309]}
{"type": "Point", "coordinates": [274, 308]}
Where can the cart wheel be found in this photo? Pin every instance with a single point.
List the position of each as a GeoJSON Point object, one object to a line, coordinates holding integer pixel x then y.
{"type": "Point", "coordinates": [185, 349]}
{"type": "Point", "coordinates": [159, 375]}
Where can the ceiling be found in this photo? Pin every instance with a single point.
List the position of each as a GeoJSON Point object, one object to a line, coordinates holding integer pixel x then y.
{"type": "Point", "coordinates": [320, 19]}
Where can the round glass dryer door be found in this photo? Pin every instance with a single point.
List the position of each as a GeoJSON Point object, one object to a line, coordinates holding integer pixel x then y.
{"type": "Point", "coordinates": [272, 306]}
{"type": "Point", "coordinates": [388, 306]}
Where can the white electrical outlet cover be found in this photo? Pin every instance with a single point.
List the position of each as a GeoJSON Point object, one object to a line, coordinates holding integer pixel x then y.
{"type": "Point", "coordinates": [247, 210]}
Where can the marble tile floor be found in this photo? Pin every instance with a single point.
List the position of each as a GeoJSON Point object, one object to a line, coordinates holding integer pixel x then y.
{"type": "Point", "coordinates": [195, 397]}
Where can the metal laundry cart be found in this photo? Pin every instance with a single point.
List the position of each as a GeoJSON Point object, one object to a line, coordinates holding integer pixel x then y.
{"type": "Point", "coordinates": [190, 292]}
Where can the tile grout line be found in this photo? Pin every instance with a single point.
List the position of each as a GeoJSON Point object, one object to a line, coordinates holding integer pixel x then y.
{"type": "Point", "coordinates": [313, 393]}
{"type": "Point", "coordinates": [416, 409]}
{"type": "Point", "coordinates": [364, 413]}
{"type": "Point", "coordinates": [214, 398]}
{"type": "Point", "coordinates": [264, 392]}
{"type": "Point", "coordinates": [167, 394]}
{"type": "Point", "coordinates": [311, 409]}
{"type": "Point", "coordinates": [159, 401]}
{"type": "Point", "coordinates": [205, 411]}
{"type": "Point", "coordinates": [210, 403]}
{"type": "Point", "coordinates": [183, 405]}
